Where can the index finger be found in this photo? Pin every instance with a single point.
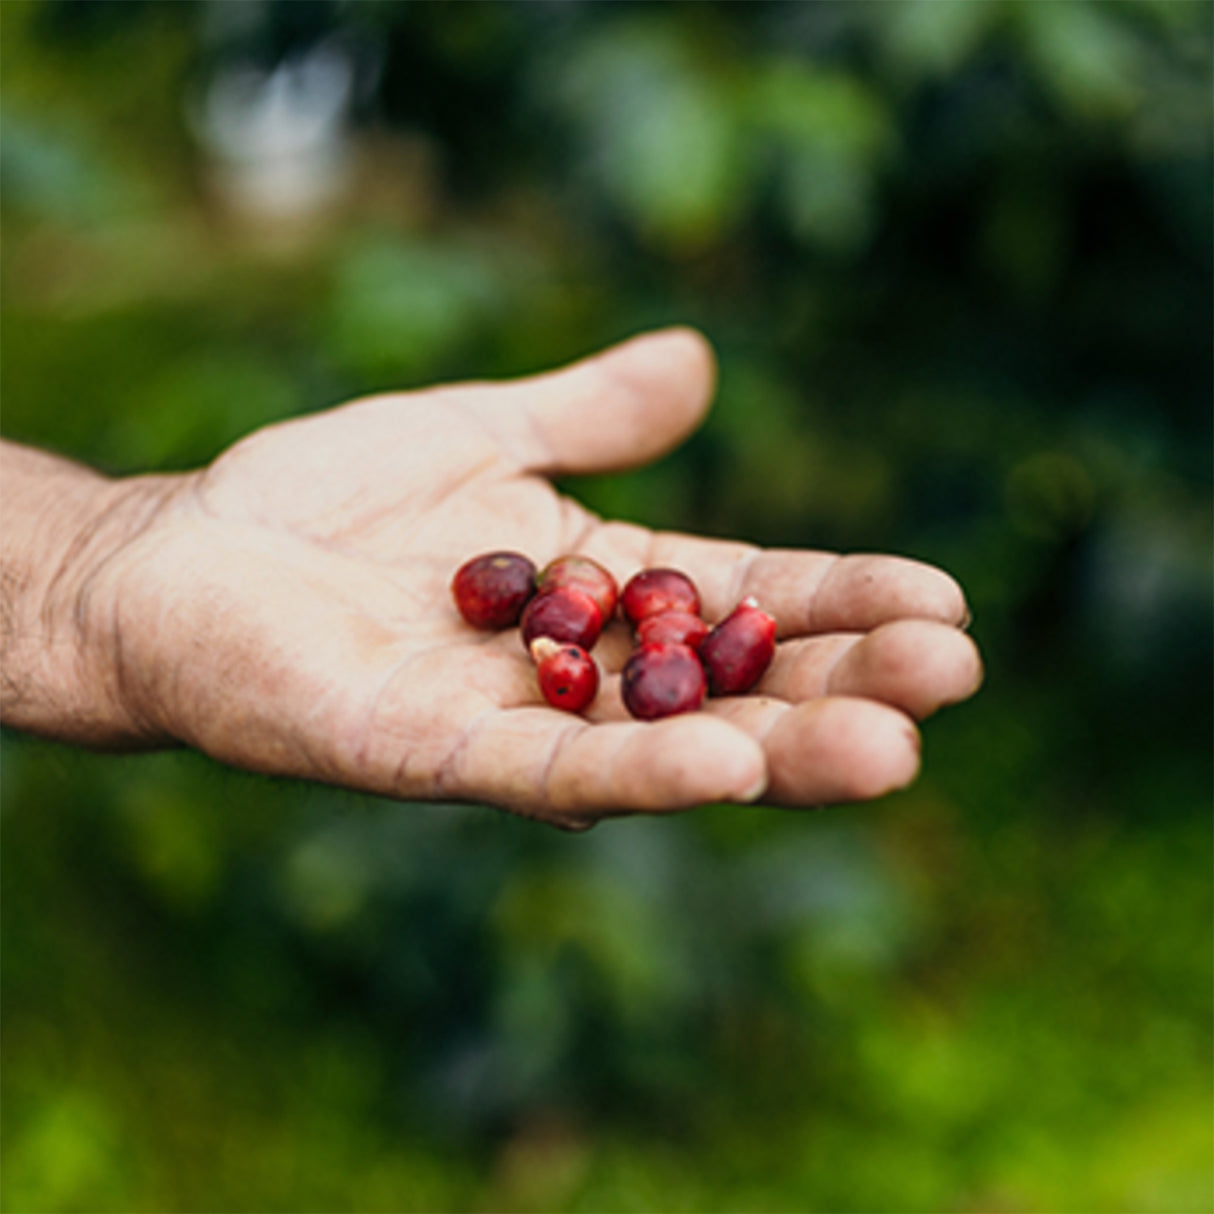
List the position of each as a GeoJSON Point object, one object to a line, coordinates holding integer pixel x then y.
{"type": "Point", "coordinates": [808, 592]}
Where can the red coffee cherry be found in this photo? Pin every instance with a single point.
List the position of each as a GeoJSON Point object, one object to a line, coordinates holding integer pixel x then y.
{"type": "Point", "coordinates": [492, 590]}
{"type": "Point", "coordinates": [566, 615]}
{"type": "Point", "coordinates": [653, 591]}
{"type": "Point", "coordinates": [661, 680]}
{"type": "Point", "coordinates": [739, 649]}
{"type": "Point", "coordinates": [583, 574]}
{"type": "Point", "coordinates": [568, 676]}
{"type": "Point", "coordinates": [672, 628]}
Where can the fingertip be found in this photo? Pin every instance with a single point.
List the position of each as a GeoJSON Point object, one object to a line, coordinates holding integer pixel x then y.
{"type": "Point", "coordinates": [619, 408]}
{"type": "Point", "coordinates": [682, 342]}
{"type": "Point", "coordinates": [841, 749]}
{"type": "Point", "coordinates": [929, 593]}
{"type": "Point", "coordinates": [977, 672]}
{"type": "Point", "coordinates": [731, 763]}
{"type": "Point", "coordinates": [753, 791]}
{"type": "Point", "coordinates": [862, 590]}
{"type": "Point", "coordinates": [745, 773]}
{"type": "Point", "coordinates": [695, 759]}
{"type": "Point", "coordinates": [676, 364]}
{"type": "Point", "coordinates": [953, 607]}
{"type": "Point", "coordinates": [917, 665]}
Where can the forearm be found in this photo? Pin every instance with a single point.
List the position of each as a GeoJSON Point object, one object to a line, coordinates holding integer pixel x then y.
{"type": "Point", "coordinates": [61, 527]}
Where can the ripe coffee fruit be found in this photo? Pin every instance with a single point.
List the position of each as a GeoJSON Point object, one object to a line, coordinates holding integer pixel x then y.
{"type": "Point", "coordinates": [653, 591]}
{"type": "Point", "coordinates": [568, 676]}
{"type": "Point", "coordinates": [581, 573]}
{"type": "Point", "coordinates": [672, 628]}
{"type": "Point", "coordinates": [660, 680]}
{"type": "Point", "coordinates": [739, 649]}
{"type": "Point", "coordinates": [566, 615]}
{"type": "Point", "coordinates": [492, 590]}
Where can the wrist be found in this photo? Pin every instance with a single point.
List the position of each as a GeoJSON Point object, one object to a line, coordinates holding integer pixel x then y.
{"type": "Point", "coordinates": [64, 527]}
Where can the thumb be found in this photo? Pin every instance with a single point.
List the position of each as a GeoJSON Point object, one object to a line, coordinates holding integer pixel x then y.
{"type": "Point", "coordinates": [616, 409]}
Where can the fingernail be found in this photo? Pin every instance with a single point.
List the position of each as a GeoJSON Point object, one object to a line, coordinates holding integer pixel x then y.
{"type": "Point", "coordinates": [754, 791]}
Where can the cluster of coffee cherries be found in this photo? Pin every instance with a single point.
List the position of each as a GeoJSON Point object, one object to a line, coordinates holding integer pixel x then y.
{"type": "Point", "coordinates": [562, 609]}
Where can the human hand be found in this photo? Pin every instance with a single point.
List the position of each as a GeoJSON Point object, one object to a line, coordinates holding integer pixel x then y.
{"type": "Point", "coordinates": [287, 610]}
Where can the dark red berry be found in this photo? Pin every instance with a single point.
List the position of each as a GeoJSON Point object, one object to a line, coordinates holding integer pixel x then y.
{"type": "Point", "coordinates": [672, 628]}
{"type": "Point", "coordinates": [653, 591]}
{"type": "Point", "coordinates": [661, 680]}
{"type": "Point", "coordinates": [739, 649]}
{"type": "Point", "coordinates": [567, 615]}
{"type": "Point", "coordinates": [568, 675]}
{"type": "Point", "coordinates": [492, 590]}
{"type": "Point", "coordinates": [585, 575]}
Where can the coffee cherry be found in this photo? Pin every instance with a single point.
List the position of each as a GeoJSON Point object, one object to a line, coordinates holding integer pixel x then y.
{"type": "Point", "coordinates": [739, 649]}
{"type": "Point", "coordinates": [661, 680]}
{"type": "Point", "coordinates": [653, 591]}
{"type": "Point", "coordinates": [568, 676]}
{"type": "Point", "coordinates": [672, 628]}
{"type": "Point", "coordinates": [585, 575]}
{"type": "Point", "coordinates": [492, 590]}
{"type": "Point", "coordinates": [566, 615]}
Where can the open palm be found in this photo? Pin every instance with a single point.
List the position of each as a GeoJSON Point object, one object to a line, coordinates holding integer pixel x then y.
{"type": "Point", "coordinates": [288, 610]}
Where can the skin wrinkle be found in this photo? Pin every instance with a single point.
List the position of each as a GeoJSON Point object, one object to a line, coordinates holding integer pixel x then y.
{"type": "Point", "coordinates": [772, 718]}
{"type": "Point", "coordinates": [565, 754]}
{"type": "Point", "coordinates": [833, 666]}
{"type": "Point", "coordinates": [307, 739]}
{"type": "Point", "coordinates": [491, 471]}
{"type": "Point", "coordinates": [741, 572]}
{"type": "Point", "coordinates": [122, 678]}
{"type": "Point", "coordinates": [545, 456]}
{"type": "Point", "coordinates": [141, 501]}
{"type": "Point", "coordinates": [811, 607]}
{"type": "Point", "coordinates": [618, 545]}
{"type": "Point", "coordinates": [139, 492]}
{"type": "Point", "coordinates": [509, 462]}
{"type": "Point", "coordinates": [798, 657]}
{"type": "Point", "coordinates": [370, 731]}
{"type": "Point", "coordinates": [766, 710]}
{"type": "Point", "coordinates": [573, 730]}
{"type": "Point", "coordinates": [443, 788]}
{"type": "Point", "coordinates": [589, 525]}
{"type": "Point", "coordinates": [489, 421]}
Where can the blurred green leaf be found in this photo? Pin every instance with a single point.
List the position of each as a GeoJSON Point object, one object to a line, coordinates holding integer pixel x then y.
{"type": "Point", "coordinates": [1087, 57]}
{"type": "Point", "coordinates": [402, 306]}
{"type": "Point", "coordinates": [931, 38]}
{"type": "Point", "coordinates": [46, 170]}
{"type": "Point", "coordinates": [661, 131]}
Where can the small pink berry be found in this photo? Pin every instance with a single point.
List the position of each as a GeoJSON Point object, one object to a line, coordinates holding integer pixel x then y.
{"type": "Point", "coordinates": [492, 590]}
{"type": "Point", "coordinates": [661, 680]}
{"type": "Point", "coordinates": [568, 676]}
{"type": "Point", "coordinates": [566, 615]}
{"type": "Point", "coordinates": [653, 591]}
{"type": "Point", "coordinates": [585, 575]}
{"type": "Point", "coordinates": [739, 649]}
{"type": "Point", "coordinates": [672, 628]}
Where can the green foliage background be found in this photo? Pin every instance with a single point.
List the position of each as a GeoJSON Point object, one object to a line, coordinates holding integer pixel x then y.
{"type": "Point", "coordinates": [956, 261]}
